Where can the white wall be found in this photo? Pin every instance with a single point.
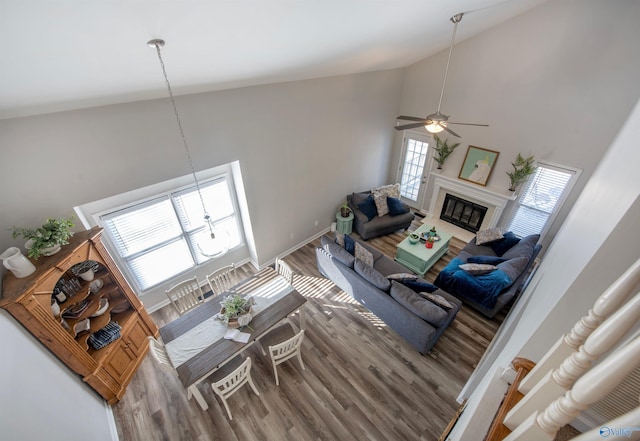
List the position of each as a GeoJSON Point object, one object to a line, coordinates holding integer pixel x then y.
{"type": "Point", "coordinates": [41, 398]}
{"type": "Point", "coordinates": [556, 82]}
{"type": "Point", "coordinates": [596, 244]}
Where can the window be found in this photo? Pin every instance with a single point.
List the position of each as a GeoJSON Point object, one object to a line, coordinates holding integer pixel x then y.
{"type": "Point", "coordinates": [542, 196]}
{"type": "Point", "coordinates": [412, 168]}
{"type": "Point", "coordinates": [157, 238]}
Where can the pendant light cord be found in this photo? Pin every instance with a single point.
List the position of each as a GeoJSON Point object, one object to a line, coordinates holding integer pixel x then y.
{"type": "Point", "coordinates": [157, 44]}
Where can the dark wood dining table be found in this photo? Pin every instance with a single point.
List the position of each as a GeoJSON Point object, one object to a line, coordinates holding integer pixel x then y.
{"type": "Point", "coordinates": [278, 300]}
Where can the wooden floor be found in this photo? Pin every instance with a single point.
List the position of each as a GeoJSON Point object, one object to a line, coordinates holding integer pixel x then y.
{"type": "Point", "coordinates": [362, 381]}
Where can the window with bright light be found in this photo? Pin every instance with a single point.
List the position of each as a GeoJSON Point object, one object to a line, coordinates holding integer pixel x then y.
{"type": "Point", "coordinates": [157, 238]}
{"type": "Point", "coordinates": [541, 198]}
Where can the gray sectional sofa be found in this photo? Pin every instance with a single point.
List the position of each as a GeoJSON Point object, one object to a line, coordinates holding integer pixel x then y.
{"type": "Point", "coordinates": [418, 320]}
{"type": "Point", "coordinates": [378, 225]}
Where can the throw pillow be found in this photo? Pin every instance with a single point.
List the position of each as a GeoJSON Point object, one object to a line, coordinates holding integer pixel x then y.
{"type": "Point", "coordinates": [363, 254]}
{"type": "Point", "coordinates": [368, 207]}
{"type": "Point", "coordinates": [371, 274]}
{"type": "Point", "coordinates": [340, 239]}
{"type": "Point", "coordinates": [437, 299]}
{"type": "Point", "coordinates": [396, 207]}
{"type": "Point", "coordinates": [419, 286]}
{"type": "Point", "coordinates": [490, 235]}
{"type": "Point", "coordinates": [477, 269]}
{"type": "Point", "coordinates": [349, 244]}
{"type": "Point", "coordinates": [400, 277]}
{"type": "Point", "coordinates": [340, 254]}
{"type": "Point", "coordinates": [503, 245]}
{"type": "Point", "coordinates": [380, 195]}
{"type": "Point", "coordinates": [488, 260]}
{"type": "Point", "coordinates": [421, 307]}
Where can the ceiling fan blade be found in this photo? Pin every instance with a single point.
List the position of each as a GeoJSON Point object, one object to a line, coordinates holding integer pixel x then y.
{"type": "Point", "coordinates": [468, 124]}
{"type": "Point", "coordinates": [411, 118]}
{"type": "Point", "coordinates": [410, 126]}
{"type": "Point", "coordinates": [450, 131]}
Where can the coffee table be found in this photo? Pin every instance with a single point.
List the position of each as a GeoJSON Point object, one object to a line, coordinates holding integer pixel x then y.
{"type": "Point", "coordinates": [417, 257]}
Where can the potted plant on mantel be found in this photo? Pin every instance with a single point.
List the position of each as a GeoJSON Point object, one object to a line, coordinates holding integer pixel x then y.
{"type": "Point", "coordinates": [47, 239]}
{"type": "Point", "coordinates": [522, 169]}
{"type": "Point", "coordinates": [442, 150]}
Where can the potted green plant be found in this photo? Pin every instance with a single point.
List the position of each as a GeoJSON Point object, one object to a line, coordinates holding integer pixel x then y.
{"type": "Point", "coordinates": [522, 169]}
{"type": "Point", "coordinates": [234, 306]}
{"type": "Point", "coordinates": [442, 150]}
{"type": "Point", "coordinates": [345, 211]}
{"type": "Point", "coordinates": [47, 239]}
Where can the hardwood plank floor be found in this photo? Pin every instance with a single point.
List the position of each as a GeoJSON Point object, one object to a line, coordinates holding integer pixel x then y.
{"type": "Point", "coordinates": [362, 381]}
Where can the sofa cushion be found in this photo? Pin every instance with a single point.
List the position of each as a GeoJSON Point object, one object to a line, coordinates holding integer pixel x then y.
{"type": "Point", "coordinates": [358, 198]}
{"type": "Point", "coordinates": [396, 206]}
{"type": "Point", "coordinates": [368, 207]}
{"type": "Point", "coordinates": [375, 277]}
{"type": "Point", "coordinates": [477, 269]}
{"type": "Point", "coordinates": [488, 260]}
{"type": "Point", "coordinates": [421, 307]}
{"type": "Point", "coordinates": [514, 267]}
{"type": "Point", "coordinates": [503, 245]}
{"type": "Point", "coordinates": [523, 248]}
{"type": "Point", "coordinates": [419, 285]}
{"type": "Point", "coordinates": [489, 235]}
{"type": "Point", "coordinates": [339, 253]}
{"type": "Point", "coordinates": [363, 254]}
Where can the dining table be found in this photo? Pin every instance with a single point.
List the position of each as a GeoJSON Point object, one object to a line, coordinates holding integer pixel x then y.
{"type": "Point", "coordinates": [196, 344]}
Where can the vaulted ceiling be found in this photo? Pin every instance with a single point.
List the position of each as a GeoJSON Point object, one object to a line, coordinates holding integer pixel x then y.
{"type": "Point", "coordinates": [69, 54]}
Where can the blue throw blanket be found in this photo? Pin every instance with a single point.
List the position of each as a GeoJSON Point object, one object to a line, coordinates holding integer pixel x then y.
{"type": "Point", "coordinates": [482, 289]}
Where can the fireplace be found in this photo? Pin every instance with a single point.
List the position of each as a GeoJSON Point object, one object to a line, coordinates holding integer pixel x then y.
{"type": "Point", "coordinates": [462, 213]}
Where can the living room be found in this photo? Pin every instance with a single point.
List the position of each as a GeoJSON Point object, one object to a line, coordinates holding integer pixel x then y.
{"type": "Point", "coordinates": [558, 82]}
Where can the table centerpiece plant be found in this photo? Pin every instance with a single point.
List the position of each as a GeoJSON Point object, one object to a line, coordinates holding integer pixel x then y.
{"type": "Point", "coordinates": [47, 239]}
{"type": "Point", "coordinates": [235, 306]}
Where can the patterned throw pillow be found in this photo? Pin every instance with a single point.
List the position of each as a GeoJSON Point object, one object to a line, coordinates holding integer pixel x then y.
{"type": "Point", "coordinates": [490, 235]}
{"type": "Point", "coordinates": [402, 276]}
{"type": "Point", "coordinates": [340, 239]}
{"type": "Point", "coordinates": [477, 269]}
{"type": "Point", "coordinates": [364, 254]}
{"type": "Point", "coordinates": [437, 299]}
{"type": "Point", "coordinates": [380, 195]}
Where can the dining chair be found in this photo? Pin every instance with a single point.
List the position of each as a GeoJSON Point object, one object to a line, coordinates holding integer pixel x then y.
{"type": "Point", "coordinates": [186, 295]}
{"type": "Point", "coordinates": [159, 353]}
{"type": "Point", "coordinates": [283, 343]}
{"type": "Point", "coordinates": [284, 270]}
{"type": "Point", "coordinates": [231, 377]}
{"type": "Point", "coordinates": [222, 279]}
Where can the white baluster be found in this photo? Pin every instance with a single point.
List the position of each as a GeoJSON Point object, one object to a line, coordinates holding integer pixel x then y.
{"type": "Point", "coordinates": [591, 387]}
{"type": "Point", "coordinates": [606, 304]}
{"type": "Point", "coordinates": [558, 381]}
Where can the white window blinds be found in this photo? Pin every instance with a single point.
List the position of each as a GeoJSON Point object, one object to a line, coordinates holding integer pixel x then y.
{"type": "Point", "coordinates": [541, 197]}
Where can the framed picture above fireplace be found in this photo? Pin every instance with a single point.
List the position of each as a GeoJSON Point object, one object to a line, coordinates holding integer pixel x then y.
{"type": "Point", "coordinates": [478, 165]}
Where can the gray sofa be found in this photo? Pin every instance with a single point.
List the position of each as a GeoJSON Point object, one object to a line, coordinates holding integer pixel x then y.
{"type": "Point", "coordinates": [489, 293]}
{"type": "Point", "coordinates": [416, 319]}
{"type": "Point", "coordinates": [378, 225]}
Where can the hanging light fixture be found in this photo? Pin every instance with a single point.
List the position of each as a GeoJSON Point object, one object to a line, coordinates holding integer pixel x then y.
{"type": "Point", "coordinates": [215, 241]}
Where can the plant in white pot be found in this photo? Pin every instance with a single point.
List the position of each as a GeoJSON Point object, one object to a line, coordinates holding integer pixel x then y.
{"type": "Point", "coordinates": [442, 150]}
{"type": "Point", "coordinates": [47, 239]}
{"type": "Point", "coordinates": [522, 169]}
{"type": "Point", "coordinates": [234, 307]}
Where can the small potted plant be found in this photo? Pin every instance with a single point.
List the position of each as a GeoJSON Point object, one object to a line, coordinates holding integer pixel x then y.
{"type": "Point", "coordinates": [47, 239]}
{"type": "Point", "coordinates": [345, 211]}
{"type": "Point", "coordinates": [235, 306]}
{"type": "Point", "coordinates": [442, 150]}
{"type": "Point", "coordinates": [430, 241]}
{"type": "Point", "coordinates": [522, 169]}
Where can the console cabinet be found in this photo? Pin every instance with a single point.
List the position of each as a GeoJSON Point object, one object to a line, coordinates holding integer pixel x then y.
{"type": "Point", "coordinates": [109, 369]}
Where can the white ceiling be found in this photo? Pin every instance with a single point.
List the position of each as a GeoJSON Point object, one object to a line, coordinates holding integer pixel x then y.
{"type": "Point", "coordinates": [67, 54]}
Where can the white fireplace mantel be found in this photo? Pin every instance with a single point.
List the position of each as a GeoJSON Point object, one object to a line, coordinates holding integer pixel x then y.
{"type": "Point", "coordinates": [491, 199]}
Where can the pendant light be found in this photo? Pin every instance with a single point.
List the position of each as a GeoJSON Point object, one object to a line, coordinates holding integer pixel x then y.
{"type": "Point", "coordinates": [214, 241]}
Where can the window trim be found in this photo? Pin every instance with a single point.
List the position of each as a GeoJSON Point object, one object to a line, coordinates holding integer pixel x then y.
{"type": "Point", "coordinates": [561, 201]}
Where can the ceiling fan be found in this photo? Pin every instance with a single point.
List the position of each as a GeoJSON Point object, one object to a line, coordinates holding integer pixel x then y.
{"type": "Point", "coordinates": [437, 122]}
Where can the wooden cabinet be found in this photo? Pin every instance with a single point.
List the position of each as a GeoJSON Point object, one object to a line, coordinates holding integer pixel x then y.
{"type": "Point", "coordinates": [109, 369]}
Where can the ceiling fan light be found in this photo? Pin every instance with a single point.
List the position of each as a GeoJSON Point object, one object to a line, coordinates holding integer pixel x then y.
{"type": "Point", "coordinates": [434, 127]}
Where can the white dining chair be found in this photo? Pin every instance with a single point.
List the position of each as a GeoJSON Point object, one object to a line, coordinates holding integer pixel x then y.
{"type": "Point", "coordinates": [223, 279]}
{"type": "Point", "coordinates": [284, 270]}
{"type": "Point", "coordinates": [283, 343]}
{"type": "Point", "coordinates": [186, 295]}
{"type": "Point", "coordinates": [159, 353]}
{"type": "Point", "coordinates": [231, 377]}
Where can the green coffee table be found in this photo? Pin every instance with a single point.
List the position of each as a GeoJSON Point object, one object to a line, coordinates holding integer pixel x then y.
{"type": "Point", "coordinates": [417, 257]}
